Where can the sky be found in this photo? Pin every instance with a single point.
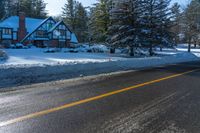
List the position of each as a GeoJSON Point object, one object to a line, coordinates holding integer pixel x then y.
{"type": "Point", "coordinates": [54, 7]}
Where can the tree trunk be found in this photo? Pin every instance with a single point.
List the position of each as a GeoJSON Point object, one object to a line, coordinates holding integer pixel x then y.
{"type": "Point", "coordinates": [189, 46]}
{"type": "Point", "coordinates": [151, 50]}
{"type": "Point", "coordinates": [112, 50]}
{"type": "Point", "coordinates": [161, 49]}
{"type": "Point", "coordinates": [132, 52]}
{"type": "Point", "coordinates": [195, 45]}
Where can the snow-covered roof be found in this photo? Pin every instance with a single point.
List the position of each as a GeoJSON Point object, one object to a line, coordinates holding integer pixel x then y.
{"type": "Point", "coordinates": [36, 27]}
{"type": "Point", "coordinates": [31, 24]}
{"type": "Point", "coordinates": [13, 22]}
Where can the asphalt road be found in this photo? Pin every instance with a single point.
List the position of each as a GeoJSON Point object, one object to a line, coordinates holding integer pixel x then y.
{"type": "Point", "coordinates": [158, 100]}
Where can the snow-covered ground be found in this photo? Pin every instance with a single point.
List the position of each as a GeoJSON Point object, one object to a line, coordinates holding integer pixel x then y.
{"type": "Point", "coordinates": [37, 57]}
{"type": "Point", "coordinates": [184, 48]}
{"type": "Point", "coordinates": [26, 66]}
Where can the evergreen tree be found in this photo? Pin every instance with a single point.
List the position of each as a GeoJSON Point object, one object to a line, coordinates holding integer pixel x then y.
{"type": "Point", "coordinates": [2, 9]}
{"type": "Point", "coordinates": [81, 29]}
{"type": "Point", "coordinates": [10, 8]}
{"type": "Point", "coordinates": [69, 12]}
{"type": "Point", "coordinates": [32, 8]}
{"type": "Point", "coordinates": [76, 17]}
{"type": "Point", "coordinates": [176, 19]}
{"type": "Point", "coordinates": [192, 22]}
{"type": "Point", "coordinates": [157, 22]}
{"type": "Point", "coordinates": [125, 29]}
{"type": "Point", "coordinates": [99, 21]}
{"type": "Point", "coordinates": [39, 9]}
{"type": "Point", "coordinates": [137, 23]}
{"type": "Point", "coordinates": [26, 6]}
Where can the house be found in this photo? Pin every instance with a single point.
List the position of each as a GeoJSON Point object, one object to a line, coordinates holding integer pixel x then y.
{"type": "Point", "coordinates": [40, 32]}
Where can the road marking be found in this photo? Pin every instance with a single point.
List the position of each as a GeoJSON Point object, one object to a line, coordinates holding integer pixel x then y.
{"type": "Point", "coordinates": [45, 112]}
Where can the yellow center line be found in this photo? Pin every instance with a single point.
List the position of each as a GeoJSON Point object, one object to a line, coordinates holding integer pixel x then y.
{"type": "Point", "coordinates": [45, 112]}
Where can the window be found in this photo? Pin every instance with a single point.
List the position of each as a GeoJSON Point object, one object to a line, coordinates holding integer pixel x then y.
{"type": "Point", "coordinates": [40, 33]}
{"type": "Point", "coordinates": [62, 33]}
{"type": "Point", "coordinates": [7, 31]}
{"type": "Point", "coordinates": [49, 25]}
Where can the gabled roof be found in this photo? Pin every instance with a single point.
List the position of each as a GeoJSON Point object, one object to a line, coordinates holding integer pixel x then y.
{"type": "Point", "coordinates": [73, 36]}
{"type": "Point", "coordinates": [32, 25]}
{"type": "Point", "coordinates": [57, 24]}
{"type": "Point", "coordinates": [37, 27]}
{"type": "Point", "coordinates": [13, 22]}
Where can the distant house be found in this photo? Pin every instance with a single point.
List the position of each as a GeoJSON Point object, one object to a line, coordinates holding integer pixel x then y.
{"type": "Point", "coordinates": [40, 32]}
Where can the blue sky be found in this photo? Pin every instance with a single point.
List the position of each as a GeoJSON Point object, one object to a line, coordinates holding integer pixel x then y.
{"type": "Point", "coordinates": [54, 7]}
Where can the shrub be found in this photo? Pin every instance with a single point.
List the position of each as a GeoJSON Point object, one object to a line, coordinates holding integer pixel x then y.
{"type": "Point", "coordinates": [3, 55]}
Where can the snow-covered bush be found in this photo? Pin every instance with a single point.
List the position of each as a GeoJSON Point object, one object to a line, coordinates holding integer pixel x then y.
{"type": "Point", "coordinates": [96, 48]}
{"type": "Point", "coordinates": [75, 45]}
{"type": "Point", "coordinates": [3, 55]}
{"type": "Point", "coordinates": [99, 48]}
{"type": "Point", "coordinates": [124, 51]}
{"type": "Point", "coordinates": [30, 45]}
{"type": "Point", "coordinates": [83, 48]}
{"type": "Point", "coordinates": [52, 50]}
{"type": "Point", "coordinates": [12, 46]}
{"type": "Point", "coordinates": [20, 46]}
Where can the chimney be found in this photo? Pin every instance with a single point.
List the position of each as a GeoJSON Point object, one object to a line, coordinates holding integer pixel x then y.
{"type": "Point", "coordinates": [22, 26]}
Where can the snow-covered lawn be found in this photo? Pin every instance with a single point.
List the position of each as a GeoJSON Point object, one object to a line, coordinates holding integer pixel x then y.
{"type": "Point", "coordinates": [36, 56]}
{"type": "Point", "coordinates": [184, 48]}
{"type": "Point", "coordinates": [26, 66]}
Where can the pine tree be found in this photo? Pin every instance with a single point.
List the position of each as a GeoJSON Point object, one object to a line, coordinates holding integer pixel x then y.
{"type": "Point", "coordinates": [176, 19]}
{"type": "Point", "coordinates": [99, 21]}
{"type": "Point", "coordinates": [81, 29]}
{"type": "Point", "coordinates": [191, 22]}
{"type": "Point", "coordinates": [136, 23]}
{"type": "Point", "coordinates": [2, 9]}
{"type": "Point", "coordinates": [32, 8]}
{"type": "Point", "coordinates": [26, 6]}
{"type": "Point", "coordinates": [10, 8]}
{"type": "Point", "coordinates": [125, 30]}
{"type": "Point", "coordinates": [157, 22]}
{"type": "Point", "coordinates": [76, 17]}
{"type": "Point", "coordinates": [69, 11]}
{"type": "Point", "coordinates": [39, 9]}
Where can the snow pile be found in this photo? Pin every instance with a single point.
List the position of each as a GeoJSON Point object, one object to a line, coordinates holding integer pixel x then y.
{"type": "Point", "coordinates": [99, 48]}
{"type": "Point", "coordinates": [3, 55]}
{"type": "Point", "coordinates": [93, 48]}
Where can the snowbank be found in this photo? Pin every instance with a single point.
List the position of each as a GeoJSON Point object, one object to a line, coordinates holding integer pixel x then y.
{"type": "Point", "coordinates": [35, 67]}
